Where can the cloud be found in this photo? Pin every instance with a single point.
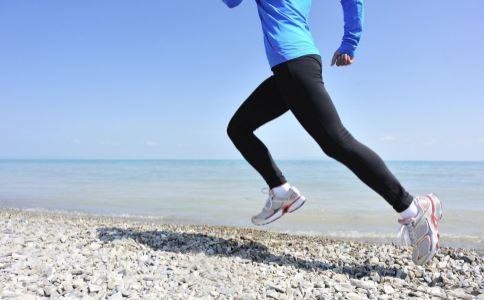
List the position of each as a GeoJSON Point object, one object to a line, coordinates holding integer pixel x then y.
{"type": "Point", "coordinates": [431, 141]}
{"type": "Point", "coordinates": [151, 143]}
{"type": "Point", "coordinates": [109, 143]}
{"type": "Point", "coordinates": [388, 138]}
{"type": "Point", "coordinates": [480, 141]}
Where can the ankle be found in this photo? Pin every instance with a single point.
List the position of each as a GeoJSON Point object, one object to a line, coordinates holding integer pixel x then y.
{"type": "Point", "coordinates": [410, 212]}
{"type": "Point", "coordinates": [281, 190]}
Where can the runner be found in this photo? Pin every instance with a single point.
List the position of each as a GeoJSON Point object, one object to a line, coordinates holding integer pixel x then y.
{"type": "Point", "coordinates": [297, 86]}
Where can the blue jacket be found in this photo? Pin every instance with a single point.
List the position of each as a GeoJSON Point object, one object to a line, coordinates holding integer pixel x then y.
{"type": "Point", "coordinates": [286, 30]}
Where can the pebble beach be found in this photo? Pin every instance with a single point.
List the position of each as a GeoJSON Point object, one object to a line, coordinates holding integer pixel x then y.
{"type": "Point", "coordinates": [75, 256]}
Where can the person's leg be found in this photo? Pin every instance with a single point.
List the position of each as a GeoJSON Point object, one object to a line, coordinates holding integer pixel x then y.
{"type": "Point", "coordinates": [300, 82]}
{"type": "Point", "coordinates": [262, 106]}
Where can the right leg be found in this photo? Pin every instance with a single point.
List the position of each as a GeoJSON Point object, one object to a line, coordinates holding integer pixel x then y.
{"type": "Point", "coordinates": [300, 81]}
{"type": "Point", "coordinates": [262, 106]}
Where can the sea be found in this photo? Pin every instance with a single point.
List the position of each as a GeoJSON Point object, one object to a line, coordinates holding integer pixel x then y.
{"type": "Point", "coordinates": [229, 192]}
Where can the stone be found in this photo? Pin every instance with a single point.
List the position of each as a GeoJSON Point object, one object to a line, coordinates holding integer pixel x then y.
{"type": "Point", "coordinates": [374, 260]}
{"type": "Point", "coordinates": [125, 293]}
{"type": "Point", "coordinates": [8, 294]}
{"type": "Point", "coordinates": [272, 294]}
{"type": "Point", "coordinates": [375, 276]}
{"type": "Point", "coordinates": [428, 278]}
{"type": "Point", "coordinates": [396, 282]}
{"type": "Point", "coordinates": [401, 274]}
{"type": "Point", "coordinates": [276, 288]}
{"type": "Point", "coordinates": [436, 291]}
{"type": "Point", "coordinates": [27, 297]}
{"type": "Point", "coordinates": [460, 293]}
{"type": "Point", "coordinates": [93, 288]}
{"type": "Point", "coordinates": [67, 286]}
{"type": "Point", "coordinates": [388, 289]}
{"type": "Point", "coordinates": [117, 296]}
{"type": "Point", "coordinates": [73, 296]}
{"type": "Point", "coordinates": [77, 272]}
{"type": "Point", "coordinates": [355, 296]}
{"type": "Point", "coordinates": [343, 287]}
{"type": "Point", "coordinates": [49, 272]}
{"type": "Point", "coordinates": [340, 278]}
{"type": "Point", "coordinates": [94, 246]}
{"type": "Point", "coordinates": [48, 290]}
{"type": "Point", "coordinates": [363, 284]}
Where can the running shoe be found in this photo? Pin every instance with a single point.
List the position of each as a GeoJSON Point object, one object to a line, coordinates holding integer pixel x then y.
{"type": "Point", "coordinates": [422, 232]}
{"type": "Point", "coordinates": [276, 206]}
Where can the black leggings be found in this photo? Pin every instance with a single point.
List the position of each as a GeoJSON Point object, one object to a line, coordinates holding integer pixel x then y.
{"type": "Point", "coordinates": [297, 85]}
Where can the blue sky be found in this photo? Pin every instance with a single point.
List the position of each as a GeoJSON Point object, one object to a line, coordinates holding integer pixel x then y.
{"type": "Point", "coordinates": [161, 79]}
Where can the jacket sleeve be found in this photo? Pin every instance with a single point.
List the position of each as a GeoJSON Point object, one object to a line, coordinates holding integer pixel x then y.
{"type": "Point", "coordinates": [232, 3]}
{"type": "Point", "coordinates": [353, 19]}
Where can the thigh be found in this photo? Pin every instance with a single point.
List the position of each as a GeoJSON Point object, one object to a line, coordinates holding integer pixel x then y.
{"type": "Point", "coordinates": [263, 105]}
{"type": "Point", "coordinates": [301, 83]}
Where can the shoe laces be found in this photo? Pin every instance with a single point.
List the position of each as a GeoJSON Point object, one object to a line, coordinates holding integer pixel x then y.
{"type": "Point", "coordinates": [268, 204]}
{"type": "Point", "coordinates": [406, 234]}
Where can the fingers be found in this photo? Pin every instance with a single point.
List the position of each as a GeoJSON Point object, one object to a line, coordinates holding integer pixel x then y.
{"type": "Point", "coordinates": [335, 58]}
{"type": "Point", "coordinates": [341, 59]}
{"type": "Point", "coordinates": [344, 60]}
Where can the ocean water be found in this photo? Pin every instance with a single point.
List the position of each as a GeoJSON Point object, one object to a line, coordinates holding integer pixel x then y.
{"type": "Point", "coordinates": [228, 192]}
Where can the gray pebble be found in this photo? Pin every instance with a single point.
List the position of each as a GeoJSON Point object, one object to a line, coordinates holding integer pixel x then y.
{"type": "Point", "coordinates": [80, 256]}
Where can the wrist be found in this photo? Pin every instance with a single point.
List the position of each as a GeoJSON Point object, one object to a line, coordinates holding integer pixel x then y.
{"type": "Point", "coordinates": [345, 49]}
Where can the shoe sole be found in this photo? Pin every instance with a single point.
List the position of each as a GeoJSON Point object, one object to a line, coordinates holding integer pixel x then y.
{"type": "Point", "coordinates": [281, 212]}
{"type": "Point", "coordinates": [436, 217]}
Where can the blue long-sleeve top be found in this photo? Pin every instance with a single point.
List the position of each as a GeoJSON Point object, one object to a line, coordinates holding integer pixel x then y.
{"type": "Point", "coordinates": [286, 30]}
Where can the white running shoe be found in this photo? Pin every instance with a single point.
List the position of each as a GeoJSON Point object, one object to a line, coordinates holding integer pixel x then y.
{"type": "Point", "coordinates": [422, 232]}
{"type": "Point", "coordinates": [276, 206]}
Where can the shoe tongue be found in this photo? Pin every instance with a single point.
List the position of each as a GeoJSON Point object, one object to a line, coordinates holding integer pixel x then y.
{"type": "Point", "coordinates": [426, 205]}
{"type": "Point", "coordinates": [423, 203]}
{"type": "Point", "coordinates": [405, 221]}
{"type": "Point", "coordinates": [268, 203]}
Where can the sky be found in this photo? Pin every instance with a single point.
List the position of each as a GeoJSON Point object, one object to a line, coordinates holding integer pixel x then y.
{"type": "Point", "coordinates": [161, 79]}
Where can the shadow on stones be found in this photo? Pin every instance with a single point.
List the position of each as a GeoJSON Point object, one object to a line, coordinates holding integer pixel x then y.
{"type": "Point", "coordinates": [169, 241]}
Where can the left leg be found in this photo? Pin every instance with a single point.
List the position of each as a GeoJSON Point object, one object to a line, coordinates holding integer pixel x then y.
{"type": "Point", "coordinates": [262, 106]}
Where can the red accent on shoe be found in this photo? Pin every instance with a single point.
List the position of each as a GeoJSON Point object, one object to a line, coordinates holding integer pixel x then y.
{"type": "Point", "coordinates": [286, 208]}
{"type": "Point", "coordinates": [434, 221]}
{"type": "Point", "coordinates": [434, 218]}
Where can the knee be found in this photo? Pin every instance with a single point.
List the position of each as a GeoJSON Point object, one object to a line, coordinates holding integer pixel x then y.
{"type": "Point", "coordinates": [333, 150]}
{"type": "Point", "coordinates": [330, 150]}
{"type": "Point", "coordinates": [234, 129]}
{"type": "Point", "coordinates": [338, 143]}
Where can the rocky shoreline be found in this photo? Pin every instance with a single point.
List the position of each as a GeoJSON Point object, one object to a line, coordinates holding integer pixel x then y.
{"type": "Point", "coordinates": [75, 256]}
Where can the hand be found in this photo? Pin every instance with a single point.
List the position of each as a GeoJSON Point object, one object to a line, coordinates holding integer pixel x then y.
{"type": "Point", "coordinates": [341, 59]}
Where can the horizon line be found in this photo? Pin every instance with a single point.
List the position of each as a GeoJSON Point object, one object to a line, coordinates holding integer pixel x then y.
{"type": "Point", "coordinates": [222, 159]}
